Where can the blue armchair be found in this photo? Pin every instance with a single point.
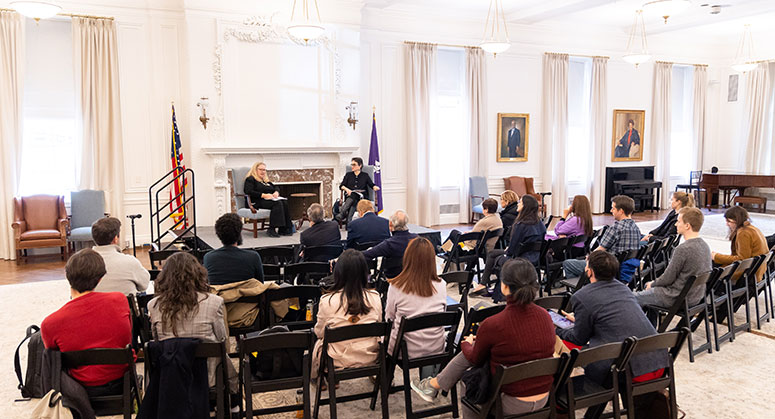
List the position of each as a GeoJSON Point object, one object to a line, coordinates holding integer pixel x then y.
{"type": "Point", "coordinates": [240, 203]}
{"type": "Point", "coordinates": [478, 192]}
{"type": "Point", "coordinates": [86, 207]}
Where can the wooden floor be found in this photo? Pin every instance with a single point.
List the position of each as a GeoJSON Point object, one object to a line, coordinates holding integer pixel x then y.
{"type": "Point", "coordinates": [45, 268]}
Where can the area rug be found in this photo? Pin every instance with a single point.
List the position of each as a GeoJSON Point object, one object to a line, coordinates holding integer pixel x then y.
{"type": "Point", "coordinates": [715, 226]}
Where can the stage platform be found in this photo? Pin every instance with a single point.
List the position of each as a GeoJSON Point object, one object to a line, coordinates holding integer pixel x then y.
{"type": "Point", "coordinates": [207, 235]}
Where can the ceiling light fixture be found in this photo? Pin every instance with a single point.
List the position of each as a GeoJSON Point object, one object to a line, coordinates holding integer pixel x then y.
{"type": "Point", "coordinates": [744, 59]}
{"type": "Point", "coordinates": [493, 41]}
{"type": "Point", "coordinates": [666, 8]}
{"type": "Point", "coordinates": [637, 55]}
{"type": "Point", "coordinates": [39, 9]}
{"type": "Point", "coordinates": [304, 27]}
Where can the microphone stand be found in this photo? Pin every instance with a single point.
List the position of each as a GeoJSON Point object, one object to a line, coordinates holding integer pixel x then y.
{"type": "Point", "coordinates": [132, 220]}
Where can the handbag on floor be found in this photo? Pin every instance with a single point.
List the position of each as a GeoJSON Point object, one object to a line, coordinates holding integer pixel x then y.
{"type": "Point", "coordinates": [51, 407]}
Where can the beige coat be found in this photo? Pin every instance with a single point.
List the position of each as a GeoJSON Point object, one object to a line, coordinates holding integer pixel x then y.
{"type": "Point", "coordinates": [352, 353]}
{"type": "Point", "coordinates": [244, 314]}
{"type": "Point", "coordinates": [488, 223]}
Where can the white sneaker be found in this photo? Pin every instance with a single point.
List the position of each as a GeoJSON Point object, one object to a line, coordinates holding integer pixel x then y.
{"type": "Point", "coordinates": [424, 389]}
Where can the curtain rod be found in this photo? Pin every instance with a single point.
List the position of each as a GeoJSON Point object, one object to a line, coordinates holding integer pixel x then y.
{"type": "Point", "coordinates": [71, 15]}
{"type": "Point", "coordinates": [579, 55]}
{"type": "Point", "coordinates": [442, 45]}
{"type": "Point", "coordinates": [672, 62]}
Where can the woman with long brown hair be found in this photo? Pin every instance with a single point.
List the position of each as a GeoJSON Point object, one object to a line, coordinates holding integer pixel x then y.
{"type": "Point", "coordinates": [417, 290]}
{"type": "Point", "coordinates": [576, 220]}
{"type": "Point", "coordinates": [183, 307]}
{"type": "Point", "coordinates": [747, 240]}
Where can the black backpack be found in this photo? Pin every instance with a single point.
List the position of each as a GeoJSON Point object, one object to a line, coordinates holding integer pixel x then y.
{"type": "Point", "coordinates": [32, 386]}
{"type": "Point", "coordinates": [278, 363]}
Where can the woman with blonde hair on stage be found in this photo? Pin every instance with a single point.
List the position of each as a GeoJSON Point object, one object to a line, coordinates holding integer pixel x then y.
{"type": "Point", "coordinates": [263, 194]}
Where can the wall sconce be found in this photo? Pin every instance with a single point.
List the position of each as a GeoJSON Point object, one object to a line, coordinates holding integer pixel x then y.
{"type": "Point", "coordinates": [353, 117]}
{"type": "Point", "coordinates": [203, 103]}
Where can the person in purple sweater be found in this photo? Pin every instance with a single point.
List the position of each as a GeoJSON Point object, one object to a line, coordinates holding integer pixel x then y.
{"type": "Point", "coordinates": [576, 220]}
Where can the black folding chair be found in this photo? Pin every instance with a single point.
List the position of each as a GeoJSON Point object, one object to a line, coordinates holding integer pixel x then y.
{"type": "Point", "coordinates": [553, 302]}
{"type": "Point", "coordinates": [110, 404]}
{"type": "Point", "coordinates": [558, 368]}
{"type": "Point", "coordinates": [333, 376]}
{"type": "Point", "coordinates": [141, 323]}
{"type": "Point", "coordinates": [671, 342]}
{"type": "Point", "coordinates": [719, 302]}
{"type": "Point", "coordinates": [249, 385]}
{"type": "Point", "coordinates": [738, 294]}
{"type": "Point", "coordinates": [154, 273]}
{"type": "Point", "coordinates": [276, 255]}
{"type": "Point", "coordinates": [159, 256]}
{"type": "Point", "coordinates": [459, 256]}
{"type": "Point", "coordinates": [757, 285]}
{"type": "Point", "coordinates": [305, 294]}
{"type": "Point", "coordinates": [306, 272]}
{"type": "Point", "coordinates": [474, 318]}
{"type": "Point", "coordinates": [366, 245]}
{"type": "Point", "coordinates": [574, 251]}
{"type": "Point", "coordinates": [580, 391]}
{"type": "Point", "coordinates": [553, 253]}
{"type": "Point", "coordinates": [481, 250]}
{"type": "Point", "coordinates": [690, 315]}
{"type": "Point", "coordinates": [401, 358]}
{"type": "Point", "coordinates": [648, 270]}
{"type": "Point", "coordinates": [464, 280]}
{"type": "Point", "coordinates": [321, 253]}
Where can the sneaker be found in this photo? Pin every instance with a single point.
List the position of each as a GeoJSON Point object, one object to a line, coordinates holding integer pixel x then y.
{"type": "Point", "coordinates": [424, 389]}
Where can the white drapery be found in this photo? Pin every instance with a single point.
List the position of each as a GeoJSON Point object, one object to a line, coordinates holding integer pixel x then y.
{"type": "Point", "coordinates": [422, 198]}
{"type": "Point", "coordinates": [661, 116]}
{"type": "Point", "coordinates": [757, 96]}
{"type": "Point", "coordinates": [699, 111]}
{"type": "Point", "coordinates": [555, 129]}
{"type": "Point", "coordinates": [476, 94]}
{"type": "Point", "coordinates": [598, 112]}
{"type": "Point", "coordinates": [96, 60]}
{"type": "Point", "coordinates": [11, 113]}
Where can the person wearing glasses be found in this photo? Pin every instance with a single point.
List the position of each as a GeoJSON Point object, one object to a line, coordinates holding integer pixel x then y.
{"type": "Point", "coordinates": [354, 186]}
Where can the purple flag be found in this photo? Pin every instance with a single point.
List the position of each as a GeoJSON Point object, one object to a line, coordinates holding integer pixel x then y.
{"type": "Point", "coordinates": [374, 161]}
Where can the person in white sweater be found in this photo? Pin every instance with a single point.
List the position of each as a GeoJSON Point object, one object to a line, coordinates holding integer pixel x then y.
{"type": "Point", "coordinates": [125, 274]}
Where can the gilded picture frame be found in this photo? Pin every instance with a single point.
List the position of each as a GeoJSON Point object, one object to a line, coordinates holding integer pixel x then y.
{"type": "Point", "coordinates": [627, 141]}
{"type": "Point", "coordinates": [513, 135]}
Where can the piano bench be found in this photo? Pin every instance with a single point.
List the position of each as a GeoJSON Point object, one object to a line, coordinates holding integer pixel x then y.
{"type": "Point", "coordinates": [759, 201]}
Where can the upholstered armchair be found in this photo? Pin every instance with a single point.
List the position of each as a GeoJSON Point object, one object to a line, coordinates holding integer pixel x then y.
{"type": "Point", "coordinates": [240, 203]}
{"type": "Point", "coordinates": [524, 186]}
{"type": "Point", "coordinates": [39, 221]}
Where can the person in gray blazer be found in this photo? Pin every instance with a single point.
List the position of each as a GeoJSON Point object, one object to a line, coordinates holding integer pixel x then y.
{"type": "Point", "coordinates": [605, 311]}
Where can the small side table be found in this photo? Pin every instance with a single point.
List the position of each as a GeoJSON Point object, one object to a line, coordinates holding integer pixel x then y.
{"type": "Point", "coordinates": [304, 196]}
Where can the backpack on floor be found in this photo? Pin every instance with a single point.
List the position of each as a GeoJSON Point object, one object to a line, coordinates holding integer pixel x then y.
{"type": "Point", "coordinates": [32, 386]}
{"type": "Point", "coordinates": [277, 363]}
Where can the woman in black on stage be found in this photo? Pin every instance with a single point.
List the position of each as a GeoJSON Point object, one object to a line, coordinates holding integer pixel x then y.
{"type": "Point", "coordinates": [262, 192]}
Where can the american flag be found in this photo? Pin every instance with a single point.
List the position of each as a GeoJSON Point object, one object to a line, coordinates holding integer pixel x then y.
{"type": "Point", "coordinates": [176, 156]}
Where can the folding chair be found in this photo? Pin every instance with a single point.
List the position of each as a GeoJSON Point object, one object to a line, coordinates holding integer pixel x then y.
{"type": "Point", "coordinates": [553, 252]}
{"type": "Point", "coordinates": [321, 253]}
{"type": "Point", "coordinates": [276, 255]}
{"type": "Point", "coordinates": [457, 255]}
{"type": "Point", "coordinates": [272, 272]}
{"type": "Point", "coordinates": [738, 295]}
{"type": "Point", "coordinates": [111, 404]}
{"type": "Point", "coordinates": [366, 245]}
{"type": "Point", "coordinates": [474, 318]}
{"type": "Point", "coordinates": [464, 280]}
{"type": "Point", "coordinates": [306, 272]}
{"type": "Point", "coordinates": [690, 315]}
{"type": "Point", "coordinates": [580, 392]}
{"type": "Point", "coordinates": [141, 323]}
{"type": "Point", "coordinates": [481, 249]}
{"type": "Point", "coordinates": [719, 302]}
{"type": "Point", "coordinates": [401, 358]}
{"type": "Point", "coordinates": [304, 293]}
{"type": "Point", "coordinates": [558, 368]}
{"type": "Point", "coordinates": [333, 376]}
{"type": "Point", "coordinates": [672, 342]}
{"type": "Point", "coordinates": [249, 385]}
{"type": "Point", "coordinates": [573, 251]}
{"type": "Point", "coordinates": [553, 302]}
{"type": "Point", "coordinates": [758, 285]}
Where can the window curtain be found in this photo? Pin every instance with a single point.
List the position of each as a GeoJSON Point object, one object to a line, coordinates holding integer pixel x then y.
{"type": "Point", "coordinates": [11, 114]}
{"type": "Point", "coordinates": [102, 162]}
{"type": "Point", "coordinates": [555, 129]}
{"type": "Point", "coordinates": [661, 127]}
{"type": "Point", "coordinates": [476, 94]}
{"type": "Point", "coordinates": [756, 120]}
{"type": "Point", "coordinates": [422, 199]}
{"type": "Point", "coordinates": [698, 119]}
{"type": "Point", "coordinates": [598, 112]}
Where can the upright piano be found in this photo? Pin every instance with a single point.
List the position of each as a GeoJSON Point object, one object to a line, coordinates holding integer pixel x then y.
{"type": "Point", "coordinates": [714, 182]}
{"type": "Point", "coordinates": [625, 173]}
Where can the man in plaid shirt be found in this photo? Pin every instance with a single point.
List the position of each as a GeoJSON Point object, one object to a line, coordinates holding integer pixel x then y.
{"type": "Point", "coordinates": [621, 236]}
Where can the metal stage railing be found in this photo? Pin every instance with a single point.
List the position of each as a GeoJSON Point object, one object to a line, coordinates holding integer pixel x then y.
{"type": "Point", "coordinates": [161, 211]}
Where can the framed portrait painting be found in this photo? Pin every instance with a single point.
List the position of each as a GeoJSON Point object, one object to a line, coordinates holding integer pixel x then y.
{"type": "Point", "coordinates": [628, 138]}
{"type": "Point", "coordinates": [513, 130]}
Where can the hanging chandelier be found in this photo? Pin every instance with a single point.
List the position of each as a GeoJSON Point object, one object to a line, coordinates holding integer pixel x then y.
{"type": "Point", "coordinates": [666, 8]}
{"type": "Point", "coordinates": [744, 59]}
{"type": "Point", "coordinates": [36, 9]}
{"type": "Point", "coordinates": [304, 26]}
{"type": "Point", "coordinates": [494, 41]}
{"type": "Point", "coordinates": [637, 54]}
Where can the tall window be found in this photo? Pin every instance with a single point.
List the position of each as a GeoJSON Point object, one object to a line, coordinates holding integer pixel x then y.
{"type": "Point", "coordinates": [579, 141]}
{"type": "Point", "coordinates": [452, 129]}
{"type": "Point", "coordinates": [49, 148]}
{"type": "Point", "coordinates": [682, 100]}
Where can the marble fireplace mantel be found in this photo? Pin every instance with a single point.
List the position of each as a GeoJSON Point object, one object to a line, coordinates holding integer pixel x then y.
{"type": "Point", "coordinates": [286, 160]}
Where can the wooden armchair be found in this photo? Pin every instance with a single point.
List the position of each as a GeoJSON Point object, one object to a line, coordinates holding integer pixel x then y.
{"type": "Point", "coordinates": [524, 186]}
{"type": "Point", "coordinates": [39, 221]}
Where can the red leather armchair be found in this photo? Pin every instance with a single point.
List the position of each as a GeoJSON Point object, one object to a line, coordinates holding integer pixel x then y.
{"type": "Point", "coordinates": [39, 221]}
{"type": "Point", "coordinates": [524, 186]}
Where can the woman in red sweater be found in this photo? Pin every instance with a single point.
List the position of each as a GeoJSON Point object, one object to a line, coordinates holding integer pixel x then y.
{"type": "Point", "coordinates": [520, 333]}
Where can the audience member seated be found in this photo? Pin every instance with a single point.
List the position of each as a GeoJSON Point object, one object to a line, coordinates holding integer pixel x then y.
{"type": "Point", "coordinates": [490, 221]}
{"type": "Point", "coordinates": [354, 185]}
{"type": "Point", "coordinates": [183, 307]}
{"type": "Point", "coordinates": [90, 320]}
{"type": "Point", "coordinates": [668, 227]}
{"type": "Point", "coordinates": [263, 194]}
{"type": "Point", "coordinates": [622, 235]}
{"type": "Point", "coordinates": [527, 228]}
{"type": "Point", "coordinates": [606, 311]}
{"type": "Point", "coordinates": [125, 274]}
{"type": "Point", "coordinates": [747, 241]}
{"type": "Point", "coordinates": [521, 332]}
{"type": "Point", "coordinates": [576, 220]}
{"type": "Point", "coordinates": [368, 227]}
{"type": "Point", "coordinates": [417, 290]}
{"type": "Point", "coordinates": [348, 303]}
{"type": "Point", "coordinates": [690, 258]}
{"type": "Point", "coordinates": [509, 212]}
{"type": "Point", "coordinates": [230, 263]}
{"type": "Point", "coordinates": [394, 247]}
{"type": "Point", "coordinates": [320, 232]}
